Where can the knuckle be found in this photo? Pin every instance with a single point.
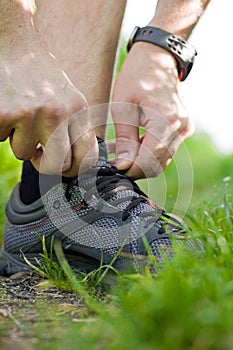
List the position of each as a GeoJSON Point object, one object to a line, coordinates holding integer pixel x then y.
{"type": "Point", "coordinates": [6, 121]}
{"type": "Point", "coordinates": [66, 166]}
{"type": "Point", "coordinates": [125, 115]}
{"type": "Point", "coordinates": [54, 112]}
{"type": "Point", "coordinates": [81, 100]}
{"type": "Point", "coordinates": [78, 102]}
{"type": "Point", "coordinates": [4, 118]}
{"type": "Point", "coordinates": [25, 116]}
{"type": "Point", "coordinates": [188, 128]}
{"type": "Point", "coordinates": [122, 136]}
{"type": "Point", "coordinates": [170, 118]}
{"type": "Point", "coordinates": [23, 110]}
{"type": "Point", "coordinates": [173, 120]}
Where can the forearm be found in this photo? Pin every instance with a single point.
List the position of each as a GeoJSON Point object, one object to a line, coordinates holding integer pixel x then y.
{"type": "Point", "coordinates": [178, 16]}
{"type": "Point", "coordinates": [16, 25]}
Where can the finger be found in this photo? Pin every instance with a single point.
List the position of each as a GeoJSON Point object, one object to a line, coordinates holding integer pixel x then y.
{"type": "Point", "coordinates": [23, 146]}
{"type": "Point", "coordinates": [6, 125]}
{"type": "Point", "coordinates": [156, 151]}
{"type": "Point", "coordinates": [126, 122]}
{"type": "Point", "coordinates": [160, 134]}
{"type": "Point", "coordinates": [186, 130]}
{"type": "Point", "coordinates": [83, 143]}
{"type": "Point", "coordinates": [51, 128]}
{"type": "Point", "coordinates": [147, 163]}
{"type": "Point", "coordinates": [156, 137]}
{"type": "Point", "coordinates": [55, 156]}
{"type": "Point", "coordinates": [111, 146]}
{"type": "Point", "coordinates": [5, 133]}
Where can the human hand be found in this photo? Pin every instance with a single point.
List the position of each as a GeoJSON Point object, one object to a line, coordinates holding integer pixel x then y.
{"type": "Point", "coordinates": [36, 98]}
{"type": "Point", "coordinates": [146, 92]}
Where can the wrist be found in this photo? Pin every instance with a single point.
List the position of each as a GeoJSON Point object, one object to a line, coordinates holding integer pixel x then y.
{"type": "Point", "coordinates": [183, 53]}
{"type": "Point", "coordinates": [178, 28]}
{"type": "Point", "coordinates": [157, 55]}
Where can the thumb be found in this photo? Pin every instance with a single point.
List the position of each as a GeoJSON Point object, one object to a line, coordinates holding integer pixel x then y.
{"type": "Point", "coordinates": [126, 122]}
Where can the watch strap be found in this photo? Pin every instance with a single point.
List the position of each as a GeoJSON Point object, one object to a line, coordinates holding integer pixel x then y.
{"type": "Point", "coordinates": [183, 52]}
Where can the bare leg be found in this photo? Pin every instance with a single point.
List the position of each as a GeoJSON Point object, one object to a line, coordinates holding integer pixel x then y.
{"type": "Point", "coordinates": [83, 35]}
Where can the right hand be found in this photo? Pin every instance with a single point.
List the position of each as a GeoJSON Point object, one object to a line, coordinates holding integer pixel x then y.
{"type": "Point", "coordinates": [35, 98]}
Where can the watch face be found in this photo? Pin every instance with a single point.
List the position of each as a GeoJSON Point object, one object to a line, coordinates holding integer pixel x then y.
{"type": "Point", "coordinates": [131, 39]}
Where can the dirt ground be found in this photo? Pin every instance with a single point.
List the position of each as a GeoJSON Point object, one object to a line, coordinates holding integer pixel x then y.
{"type": "Point", "coordinates": [24, 305]}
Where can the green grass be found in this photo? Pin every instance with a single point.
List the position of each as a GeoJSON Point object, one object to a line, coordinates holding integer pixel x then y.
{"type": "Point", "coordinates": [188, 303]}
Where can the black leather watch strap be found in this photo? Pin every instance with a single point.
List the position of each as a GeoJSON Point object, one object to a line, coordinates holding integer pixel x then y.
{"type": "Point", "coordinates": [183, 52]}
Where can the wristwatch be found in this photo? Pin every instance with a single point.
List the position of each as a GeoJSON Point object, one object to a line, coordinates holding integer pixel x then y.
{"type": "Point", "coordinates": [183, 52]}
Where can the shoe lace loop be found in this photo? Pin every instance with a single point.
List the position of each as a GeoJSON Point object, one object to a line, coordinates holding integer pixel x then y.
{"type": "Point", "coordinates": [109, 180]}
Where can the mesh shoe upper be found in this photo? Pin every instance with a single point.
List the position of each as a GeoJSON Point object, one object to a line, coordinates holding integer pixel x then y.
{"type": "Point", "coordinates": [96, 214]}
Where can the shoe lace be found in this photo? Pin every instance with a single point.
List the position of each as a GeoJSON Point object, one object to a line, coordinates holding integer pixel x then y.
{"type": "Point", "coordinates": [109, 180]}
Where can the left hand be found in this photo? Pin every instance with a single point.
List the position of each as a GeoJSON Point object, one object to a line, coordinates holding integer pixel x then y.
{"type": "Point", "coordinates": [147, 94]}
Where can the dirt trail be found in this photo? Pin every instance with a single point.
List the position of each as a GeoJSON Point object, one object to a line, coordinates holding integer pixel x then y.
{"type": "Point", "coordinates": [24, 305]}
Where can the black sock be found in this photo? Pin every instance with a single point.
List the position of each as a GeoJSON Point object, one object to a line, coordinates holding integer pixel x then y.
{"type": "Point", "coordinates": [34, 185]}
{"type": "Point", "coordinates": [30, 189]}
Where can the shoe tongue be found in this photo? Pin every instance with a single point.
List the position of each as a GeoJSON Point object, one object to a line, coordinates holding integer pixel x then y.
{"type": "Point", "coordinates": [89, 177]}
{"type": "Point", "coordinates": [103, 154]}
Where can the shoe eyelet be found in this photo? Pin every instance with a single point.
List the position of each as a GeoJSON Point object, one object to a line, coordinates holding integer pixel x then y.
{"type": "Point", "coordinates": [56, 204]}
{"type": "Point", "coordinates": [161, 230]}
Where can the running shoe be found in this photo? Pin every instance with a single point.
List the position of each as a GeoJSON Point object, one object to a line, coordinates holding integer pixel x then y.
{"type": "Point", "coordinates": [100, 217]}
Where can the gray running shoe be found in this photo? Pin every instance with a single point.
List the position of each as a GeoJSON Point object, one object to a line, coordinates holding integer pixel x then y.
{"type": "Point", "coordinates": [97, 216]}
